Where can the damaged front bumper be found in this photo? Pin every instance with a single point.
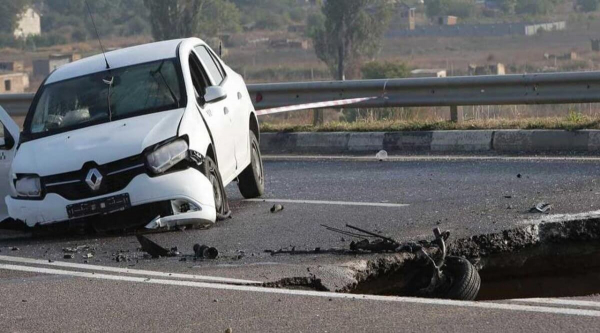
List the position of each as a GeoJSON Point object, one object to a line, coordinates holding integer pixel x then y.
{"type": "Point", "coordinates": [189, 192]}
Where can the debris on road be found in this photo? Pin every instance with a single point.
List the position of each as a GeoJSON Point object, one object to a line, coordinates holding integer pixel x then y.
{"type": "Point", "coordinates": [88, 256]}
{"type": "Point", "coordinates": [542, 208]}
{"type": "Point", "coordinates": [276, 209]}
{"type": "Point", "coordinates": [519, 176]}
{"type": "Point", "coordinates": [68, 256]}
{"type": "Point", "coordinates": [75, 249]}
{"type": "Point", "coordinates": [153, 249]}
{"type": "Point", "coordinates": [433, 274]}
{"type": "Point", "coordinates": [382, 156]}
{"type": "Point", "coordinates": [14, 248]}
{"type": "Point", "coordinates": [205, 252]}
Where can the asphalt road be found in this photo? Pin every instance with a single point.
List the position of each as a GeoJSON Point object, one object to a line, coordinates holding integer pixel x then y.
{"type": "Point", "coordinates": [404, 198]}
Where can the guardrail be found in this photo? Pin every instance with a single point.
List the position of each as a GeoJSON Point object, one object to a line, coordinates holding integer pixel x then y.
{"type": "Point", "coordinates": [555, 88]}
{"type": "Point", "coordinates": [16, 104]}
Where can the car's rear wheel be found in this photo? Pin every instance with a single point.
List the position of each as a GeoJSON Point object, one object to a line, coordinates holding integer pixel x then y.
{"type": "Point", "coordinates": [211, 171]}
{"type": "Point", "coordinates": [252, 179]}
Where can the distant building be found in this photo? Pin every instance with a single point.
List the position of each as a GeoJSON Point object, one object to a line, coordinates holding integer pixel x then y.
{"type": "Point", "coordinates": [428, 73]}
{"type": "Point", "coordinates": [43, 67]}
{"type": "Point", "coordinates": [495, 69]}
{"type": "Point", "coordinates": [477, 30]}
{"type": "Point", "coordinates": [447, 20]}
{"type": "Point", "coordinates": [407, 16]}
{"type": "Point", "coordinates": [13, 83]}
{"type": "Point", "coordinates": [29, 24]}
{"type": "Point", "coordinates": [12, 66]}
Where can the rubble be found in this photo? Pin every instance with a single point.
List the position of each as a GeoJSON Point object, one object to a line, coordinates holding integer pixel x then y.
{"type": "Point", "coordinates": [276, 209]}
{"type": "Point", "coordinates": [431, 272]}
{"type": "Point", "coordinates": [153, 249]}
{"type": "Point", "coordinates": [205, 252]}
{"type": "Point", "coordinates": [542, 208]}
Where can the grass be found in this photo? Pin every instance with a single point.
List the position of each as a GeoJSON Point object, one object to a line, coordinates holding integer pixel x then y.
{"type": "Point", "coordinates": [569, 123]}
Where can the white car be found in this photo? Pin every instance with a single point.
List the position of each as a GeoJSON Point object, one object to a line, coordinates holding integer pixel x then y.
{"type": "Point", "coordinates": [153, 132]}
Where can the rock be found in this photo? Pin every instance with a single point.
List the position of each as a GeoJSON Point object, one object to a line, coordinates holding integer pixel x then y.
{"type": "Point", "coordinates": [276, 209]}
{"type": "Point", "coordinates": [382, 156]}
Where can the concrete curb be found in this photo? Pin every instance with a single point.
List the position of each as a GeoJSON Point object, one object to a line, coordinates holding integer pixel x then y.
{"type": "Point", "coordinates": [507, 141]}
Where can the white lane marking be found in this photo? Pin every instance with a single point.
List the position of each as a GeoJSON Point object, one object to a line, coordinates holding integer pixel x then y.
{"type": "Point", "coordinates": [392, 158]}
{"type": "Point", "coordinates": [125, 270]}
{"type": "Point", "coordinates": [480, 305]}
{"type": "Point", "coordinates": [557, 302]}
{"type": "Point", "coordinates": [336, 203]}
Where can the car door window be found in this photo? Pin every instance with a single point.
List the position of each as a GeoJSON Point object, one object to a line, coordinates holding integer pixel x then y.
{"type": "Point", "coordinates": [212, 67]}
{"type": "Point", "coordinates": [199, 78]}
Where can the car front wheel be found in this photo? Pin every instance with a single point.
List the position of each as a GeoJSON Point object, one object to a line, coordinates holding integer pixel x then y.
{"type": "Point", "coordinates": [211, 171]}
{"type": "Point", "coordinates": [252, 179]}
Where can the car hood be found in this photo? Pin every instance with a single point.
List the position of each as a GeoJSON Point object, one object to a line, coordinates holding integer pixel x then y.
{"type": "Point", "coordinates": [104, 143]}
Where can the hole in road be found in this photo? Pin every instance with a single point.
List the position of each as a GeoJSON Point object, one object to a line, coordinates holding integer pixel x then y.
{"type": "Point", "coordinates": [548, 260]}
{"type": "Point", "coordinates": [546, 271]}
{"type": "Point", "coordinates": [551, 270]}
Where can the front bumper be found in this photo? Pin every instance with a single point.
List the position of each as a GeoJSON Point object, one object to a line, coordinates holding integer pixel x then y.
{"type": "Point", "coordinates": [188, 185]}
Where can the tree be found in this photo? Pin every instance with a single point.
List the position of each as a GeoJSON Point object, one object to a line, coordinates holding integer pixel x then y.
{"type": "Point", "coordinates": [507, 6]}
{"type": "Point", "coordinates": [172, 19]}
{"type": "Point", "coordinates": [384, 70]}
{"type": "Point", "coordinates": [588, 5]}
{"type": "Point", "coordinates": [9, 14]}
{"type": "Point", "coordinates": [352, 30]}
{"type": "Point", "coordinates": [460, 8]}
{"type": "Point", "coordinates": [535, 7]}
{"type": "Point", "coordinates": [219, 16]}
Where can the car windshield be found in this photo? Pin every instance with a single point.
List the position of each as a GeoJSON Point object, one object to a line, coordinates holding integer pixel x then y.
{"type": "Point", "coordinates": [101, 97]}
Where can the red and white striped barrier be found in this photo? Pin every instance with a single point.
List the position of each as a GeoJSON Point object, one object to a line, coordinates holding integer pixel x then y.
{"type": "Point", "coordinates": [318, 105]}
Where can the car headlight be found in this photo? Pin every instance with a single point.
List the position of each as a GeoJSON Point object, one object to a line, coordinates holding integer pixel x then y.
{"type": "Point", "coordinates": [165, 157]}
{"type": "Point", "coordinates": [29, 186]}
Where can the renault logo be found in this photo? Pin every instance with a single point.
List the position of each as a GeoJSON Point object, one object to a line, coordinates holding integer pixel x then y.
{"type": "Point", "coordinates": [94, 179]}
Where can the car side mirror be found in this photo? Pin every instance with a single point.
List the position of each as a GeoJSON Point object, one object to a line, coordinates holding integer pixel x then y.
{"type": "Point", "coordinates": [215, 94]}
{"type": "Point", "coordinates": [7, 143]}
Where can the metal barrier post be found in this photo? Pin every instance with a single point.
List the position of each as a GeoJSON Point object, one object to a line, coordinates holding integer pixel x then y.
{"type": "Point", "coordinates": [456, 114]}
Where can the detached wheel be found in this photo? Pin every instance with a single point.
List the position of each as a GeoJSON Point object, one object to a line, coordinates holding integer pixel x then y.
{"type": "Point", "coordinates": [211, 171]}
{"type": "Point", "coordinates": [252, 179]}
{"type": "Point", "coordinates": [463, 280]}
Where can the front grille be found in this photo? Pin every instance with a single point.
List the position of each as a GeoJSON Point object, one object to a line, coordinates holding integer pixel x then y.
{"type": "Point", "coordinates": [115, 177]}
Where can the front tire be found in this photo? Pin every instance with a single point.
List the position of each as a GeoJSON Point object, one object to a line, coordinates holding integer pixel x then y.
{"type": "Point", "coordinates": [211, 171]}
{"type": "Point", "coordinates": [252, 179]}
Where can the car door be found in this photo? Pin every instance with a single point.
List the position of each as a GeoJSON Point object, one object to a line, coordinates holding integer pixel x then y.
{"type": "Point", "coordinates": [9, 140]}
{"type": "Point", "coordinates": [239, 134]}
{"type": "Point", "coordinates": [216, 115]}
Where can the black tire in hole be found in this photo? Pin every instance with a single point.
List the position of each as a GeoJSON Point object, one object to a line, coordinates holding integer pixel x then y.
{"type": "Point", "coordinates": [211, 171]}
{"type": "Point", "coordinates": [252, 179]}
{"type": "Point", "coordinates": [462, 280]}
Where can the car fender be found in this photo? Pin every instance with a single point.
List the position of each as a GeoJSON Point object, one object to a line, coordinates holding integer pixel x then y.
{"type": "Point", "coordinates": [193, 126]}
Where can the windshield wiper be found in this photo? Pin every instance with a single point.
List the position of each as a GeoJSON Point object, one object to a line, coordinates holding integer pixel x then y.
{"type": "Point", "coordinates": [109, 80]}
{"type": "Point", "coordinates": [159, 71]}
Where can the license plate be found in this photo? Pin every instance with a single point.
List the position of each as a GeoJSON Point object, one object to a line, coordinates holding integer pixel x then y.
{"type": "Point", "coordinates": [101, 206]}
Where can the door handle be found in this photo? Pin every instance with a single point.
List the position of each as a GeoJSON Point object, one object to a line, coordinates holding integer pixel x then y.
{"type": "Point", "coordinates": [240, 95]}
{"type": "Point", "coordinates": [226, 110]}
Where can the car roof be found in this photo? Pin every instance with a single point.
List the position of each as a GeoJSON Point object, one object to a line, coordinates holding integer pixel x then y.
{"type": "Point", "coordinates": [117, 59]}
